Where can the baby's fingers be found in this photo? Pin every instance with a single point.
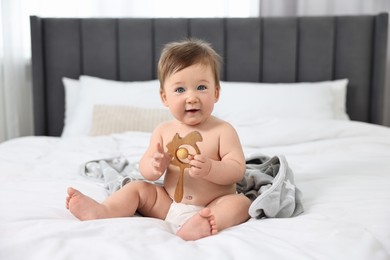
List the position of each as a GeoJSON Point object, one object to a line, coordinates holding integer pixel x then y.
{"type": "Point", "coordinates": [163, 154]}
{"type": "Point", "coordinates": [196, 163]}
{"type": "Point", "coordinates": [199, 158]}
{"type": "Point", "coordinates": [158, 156]}
{"type": "Point", "coordinates": [159, 148]}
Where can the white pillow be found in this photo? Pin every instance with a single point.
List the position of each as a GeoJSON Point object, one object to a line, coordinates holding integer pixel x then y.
{"type": "Point", "coordinates": [339, 92]}
{"type": "Point", "coordinates": [242, 103]}
{"type": "Point", "coordinates": [94, 91]}
{"type": "Point", "coordinates": [72, 91]}
{"type": "Point", "coordinates": [110, 119]}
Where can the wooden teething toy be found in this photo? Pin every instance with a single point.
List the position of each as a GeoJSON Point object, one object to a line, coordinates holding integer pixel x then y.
{"type": "Point", "coordinates": [177, 148]}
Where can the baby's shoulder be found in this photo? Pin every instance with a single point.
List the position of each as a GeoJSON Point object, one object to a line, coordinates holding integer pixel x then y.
{"type": "Point", "coordinates": [165, 126]}
{"type": "Point", "coordinates": [217, 122]}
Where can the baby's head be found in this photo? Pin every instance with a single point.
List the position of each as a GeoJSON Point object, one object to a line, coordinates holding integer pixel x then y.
{"type": "Point", "coordinates": [180, 55]}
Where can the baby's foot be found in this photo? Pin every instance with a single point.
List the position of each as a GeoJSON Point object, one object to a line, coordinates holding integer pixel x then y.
{"type": "Point", "coordinates": [201, 225]}
{"type": "Point", "coordinates": [82, 206]}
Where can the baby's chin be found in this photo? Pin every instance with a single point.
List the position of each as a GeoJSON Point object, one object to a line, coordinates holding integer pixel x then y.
{"type": "Point", "coordinates": [193, 118]}
{"type": "Point", "coordinates": [193, 121]}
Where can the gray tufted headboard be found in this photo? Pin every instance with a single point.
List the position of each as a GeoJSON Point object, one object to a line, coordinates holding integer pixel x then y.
{"type": "Point", "coordinates": [278, 49]}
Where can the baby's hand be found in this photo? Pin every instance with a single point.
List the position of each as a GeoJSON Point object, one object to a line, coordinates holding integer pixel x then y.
{"type": "Point", "coordinates": [160, 161]}
{"type": "Point", "coordinates": [200, 166]}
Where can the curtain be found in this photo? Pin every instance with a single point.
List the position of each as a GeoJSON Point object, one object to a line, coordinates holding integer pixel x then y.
{"type": "Point", "coordinates": [15, 75]}
{"type": "Point", "coordinates": [322, 7]}
{"type": "Point", "coordinates": [333, 7]}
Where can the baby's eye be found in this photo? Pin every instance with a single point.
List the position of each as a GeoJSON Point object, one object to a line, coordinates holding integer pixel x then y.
{"type": "Point", "coordinates": [202, 87]}
{"type": "Point", "coordinates": [180, 90]}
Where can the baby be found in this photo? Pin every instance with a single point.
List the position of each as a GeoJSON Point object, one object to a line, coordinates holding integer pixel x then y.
{"type": "Point", "coordinates": [188, 72]}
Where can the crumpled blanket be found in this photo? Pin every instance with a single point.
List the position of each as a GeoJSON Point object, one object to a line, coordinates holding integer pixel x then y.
{"type": "Point", "coordinates": [268, 182]}
{"type": "Point", "coordinates": [114, 172]}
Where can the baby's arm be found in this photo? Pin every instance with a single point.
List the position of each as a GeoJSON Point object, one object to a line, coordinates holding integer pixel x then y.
{"type": "Point", "coordinates": [230, 169]}
{"type": "Point", "coordinates": [155, 161]}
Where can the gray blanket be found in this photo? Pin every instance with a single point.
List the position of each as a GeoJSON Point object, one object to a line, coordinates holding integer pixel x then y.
{"type": "Point", "coordinates": [268, 182]}
{"type": "Point", "coordinates": [113, 173]}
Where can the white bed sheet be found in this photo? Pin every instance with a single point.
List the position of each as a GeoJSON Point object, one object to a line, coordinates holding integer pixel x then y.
{"type": "Point", "coordinates": [341, 167]}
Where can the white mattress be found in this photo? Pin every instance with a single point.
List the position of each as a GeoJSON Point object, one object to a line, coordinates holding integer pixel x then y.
{"type": "Point", "coordinates": [341, 167]}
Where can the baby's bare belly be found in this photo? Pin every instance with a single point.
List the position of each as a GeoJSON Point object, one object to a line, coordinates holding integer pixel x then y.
{"type": "Point", "coordinates": [197, 191]}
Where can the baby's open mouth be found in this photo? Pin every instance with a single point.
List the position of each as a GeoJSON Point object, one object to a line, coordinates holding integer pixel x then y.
{"type": "Point", "coordinates": [192, 110]}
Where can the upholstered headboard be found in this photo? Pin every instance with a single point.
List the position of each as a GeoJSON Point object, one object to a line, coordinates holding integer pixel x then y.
{"type": "Point", "coordinates": [288, 49]}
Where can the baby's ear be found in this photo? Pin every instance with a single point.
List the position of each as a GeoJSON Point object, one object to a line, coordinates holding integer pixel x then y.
{"type": "Point", "coordinates": [217, 91]}
{"type": "Point", "coordinates": [163, 97]}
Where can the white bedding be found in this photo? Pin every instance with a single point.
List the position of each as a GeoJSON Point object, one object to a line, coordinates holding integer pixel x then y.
{"type": "Point", "coordinates": [341, 167]}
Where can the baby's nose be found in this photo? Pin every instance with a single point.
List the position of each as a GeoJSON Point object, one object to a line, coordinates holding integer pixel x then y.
{"type": "Point", "coordinates": [192, 99]}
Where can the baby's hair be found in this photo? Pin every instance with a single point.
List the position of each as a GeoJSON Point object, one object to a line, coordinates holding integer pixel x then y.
{"type": "Point", "coordinates": [179, 55]}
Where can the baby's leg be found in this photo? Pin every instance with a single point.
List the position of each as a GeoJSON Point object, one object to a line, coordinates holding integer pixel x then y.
{"type": "Point", "coordinates": [149, 199]}
{"type": "Point", "coordinates": [230, 210]}
{"type": "Point", "coordinates": [224, 212]}
{"type": "Point", "coordinates": [200, 225]}
{"type": "Point", "coordinates": [84, 207]}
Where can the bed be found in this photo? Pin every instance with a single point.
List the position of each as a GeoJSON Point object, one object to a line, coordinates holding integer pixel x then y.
{"type": "Point", "coordinates": [310, 89]}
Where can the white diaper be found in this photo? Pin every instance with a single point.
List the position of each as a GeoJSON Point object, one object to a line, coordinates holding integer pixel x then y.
{"type": "Point", "coordinates": [179, 213]}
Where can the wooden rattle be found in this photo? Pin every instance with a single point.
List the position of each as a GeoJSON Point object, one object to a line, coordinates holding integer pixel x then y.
{"type": "Point", "coordinates": [177, 148]}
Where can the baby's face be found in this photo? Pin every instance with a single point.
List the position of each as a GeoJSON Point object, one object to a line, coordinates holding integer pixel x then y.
{"type": "Point", "coordinates": [190, 94]}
